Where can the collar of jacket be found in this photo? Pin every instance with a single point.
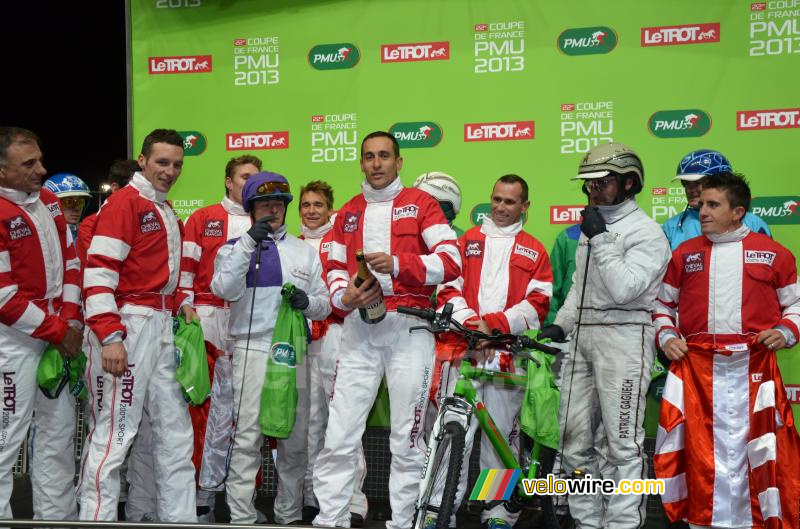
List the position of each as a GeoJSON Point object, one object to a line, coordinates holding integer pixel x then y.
{"type": "Point", "coordinates": [21, 198]}
{"type": "Point", "coordinates": [381, 195]}
{"type": "Point", "coordinates": [317, 233]}
{"type": "Point", "coordinates": [617, 212]}
{"type": "Point", "coordinates": [729, 236]}
{"type": "Point", "coordinates": [146, 189]}
{"type": "Point", "coordinates": [490, 229]}
{"type": "Point", "coordinates": [232, 207]}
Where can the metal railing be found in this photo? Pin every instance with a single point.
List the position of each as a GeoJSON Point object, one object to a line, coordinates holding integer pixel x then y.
{"type": "Point", "coordinates": [132, 525]}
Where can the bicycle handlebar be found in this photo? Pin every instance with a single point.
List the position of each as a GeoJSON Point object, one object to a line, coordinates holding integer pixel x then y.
{"type": "Point", "coordinates": [443, 321]}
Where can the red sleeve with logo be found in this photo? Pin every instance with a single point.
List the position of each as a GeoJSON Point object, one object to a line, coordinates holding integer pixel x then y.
{"type": "Point", "coordinates": [192, 252]}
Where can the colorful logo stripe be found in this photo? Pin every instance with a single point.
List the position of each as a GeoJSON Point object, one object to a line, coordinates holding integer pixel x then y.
{"type": "Point", "coordinates": [495, 484]}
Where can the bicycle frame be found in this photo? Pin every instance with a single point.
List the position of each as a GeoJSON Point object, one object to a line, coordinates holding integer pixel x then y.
{"type": "Point", "coordinates": [465, 403]}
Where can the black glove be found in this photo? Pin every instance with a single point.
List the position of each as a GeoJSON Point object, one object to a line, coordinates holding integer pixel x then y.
{"type": "Point", "coordinates": [260, 229]}
{"type": "Point", "coordinates": [553, 332]}
{"type": "Point", "coordinates": [299, 299]}
{"type": "Point", "coordinates": [593, 222]}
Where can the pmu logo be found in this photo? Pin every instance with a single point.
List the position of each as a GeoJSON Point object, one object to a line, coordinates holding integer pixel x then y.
{"type": "Point", "coordinates": [777, 210]}
{"type": "Point", "coordinates": [565, 214]}
{"type": "Point", "coordinates": [180, 64]}
{"type": "Point", "coordinates": [587, 41]}
{"type": "Point", "coordinates": [423, 51]}
{"type": "Point", "coordinates": [499, 131]}
{"type": "Point", "coordinates": [240, 141]}
{"type": "Point", "coordinates": [480, 212]}
{"type": "Point", "coordinates": [194, 142]}
{"type": "Point", "coordinates": [417, 134]}
{"type": "Point", "coordinates": [283, 353]}
{"type": "Point", "coordinates": [679, 123]}
{"type": "Point", "coordinates": [334, 56]}
{"type": "Point", "coordinates": [684, 34]}
{"type": "Point", "coordinates": [787, 118]}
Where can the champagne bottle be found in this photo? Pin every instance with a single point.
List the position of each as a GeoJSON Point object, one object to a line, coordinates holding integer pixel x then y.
{"type": "Point", "coordinates": [377, 311]}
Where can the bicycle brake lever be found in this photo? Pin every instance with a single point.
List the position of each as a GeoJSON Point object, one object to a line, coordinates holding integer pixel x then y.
{"type": "Point", "coordinates": [424, 328]}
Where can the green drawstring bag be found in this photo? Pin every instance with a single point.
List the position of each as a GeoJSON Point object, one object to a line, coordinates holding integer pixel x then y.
{"type": "Point", "coordinates": [539, 413]}
{"type": "Point", "coordinates": [279, 392]}
{"type": "Point", "coordinates": [658, 376]}
{"type": "Point", "coordinates": [55, 372]}
{"type": "Point", "coordinates": [191, 363]}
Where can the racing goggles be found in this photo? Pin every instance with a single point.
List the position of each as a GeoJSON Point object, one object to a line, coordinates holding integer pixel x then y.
{"type": "Point", "coordinates": [272, 188]}
{"type": "Point", "coordinates": [73, 203]}
{"type": "Point", "coordinates": [599, 183]}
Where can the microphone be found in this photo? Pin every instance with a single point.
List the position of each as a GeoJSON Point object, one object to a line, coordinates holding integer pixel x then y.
{"type": "Point", "coordinates": [268, 218]}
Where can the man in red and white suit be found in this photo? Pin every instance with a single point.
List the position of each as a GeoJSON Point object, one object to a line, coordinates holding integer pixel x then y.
{"type": "Point", "coordinates": [39, 304]}
{"type": "Point", "coordinates": [410, 249]}
{"type": "Point", "coordinates": [207, 229]}
{"type": "Point", "coordinates": [506, 284]}
{"type": "Point", "coordinates": [130, 283]}
{"type": "Point", "coordinates": [727, 448]}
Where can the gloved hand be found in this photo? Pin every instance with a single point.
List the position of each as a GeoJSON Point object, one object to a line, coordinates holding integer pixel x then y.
{"type": "Point", "coordinates": [299, 299]}
{"type": "Point", "coordinates": [593, 222]}
{"type": "Point", "coordinates": [260, 229]}
{"type": "Point", "coordinates": [553, 332]}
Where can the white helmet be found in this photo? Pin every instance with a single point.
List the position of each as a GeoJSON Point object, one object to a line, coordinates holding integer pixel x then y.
{"type": "Point", "coordinates": [442, 187]}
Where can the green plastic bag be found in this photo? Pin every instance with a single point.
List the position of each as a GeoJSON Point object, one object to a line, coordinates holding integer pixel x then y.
{"type": "Point", "coordinates": [191, 363]}
{"type": "Point", "coordinates": [658, 375]}
{"type": "Point", "coordinates": [55, 372]}
{"type": "Point", "coordinates": [279, 392]}
{"type": "Point", "coordinates": [539, 414]}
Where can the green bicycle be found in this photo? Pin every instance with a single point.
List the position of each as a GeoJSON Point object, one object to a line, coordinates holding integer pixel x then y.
{"type": "Point", "coordinates": [445, 454]}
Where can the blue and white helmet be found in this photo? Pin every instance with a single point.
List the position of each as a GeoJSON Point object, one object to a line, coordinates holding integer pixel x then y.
{"type": "Point", "coordinates": [67, 185]}
{"type": "Point", "coordinates": [701, 163]}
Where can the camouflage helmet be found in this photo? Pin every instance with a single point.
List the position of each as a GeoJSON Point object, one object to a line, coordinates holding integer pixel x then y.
{"type": "Point", "coordinates": [608, 158]}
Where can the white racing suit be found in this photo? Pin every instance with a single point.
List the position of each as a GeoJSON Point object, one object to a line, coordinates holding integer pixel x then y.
{"type": "Point", "coordinates": [323, 355]}
{"type": "Point", "coordinates": [284, 258]}
{"type": "Point", "coordinates": [606, 377]}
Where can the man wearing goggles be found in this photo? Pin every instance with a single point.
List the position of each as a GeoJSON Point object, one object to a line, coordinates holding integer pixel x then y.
{"type": "Point", "coordinates": [74, 195]}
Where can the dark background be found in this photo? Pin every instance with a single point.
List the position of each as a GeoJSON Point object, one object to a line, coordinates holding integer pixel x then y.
{"type": "Point", "coordinates": [63, 77]}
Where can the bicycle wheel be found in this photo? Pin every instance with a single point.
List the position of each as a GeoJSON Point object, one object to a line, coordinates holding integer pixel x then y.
{"type": "Point", "coordinates": [551, 517]}
{"type": "Point", "coordinates": [444, 469]}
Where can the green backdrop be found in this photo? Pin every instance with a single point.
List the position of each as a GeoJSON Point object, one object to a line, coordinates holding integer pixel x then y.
{"type": "Point", "coordinates": [477, 89]}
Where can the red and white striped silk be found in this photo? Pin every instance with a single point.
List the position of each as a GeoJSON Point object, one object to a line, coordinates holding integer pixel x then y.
{"type": "Point", "coordinates": [711, 397]}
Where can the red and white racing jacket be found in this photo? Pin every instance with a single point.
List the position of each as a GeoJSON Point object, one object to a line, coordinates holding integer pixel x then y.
{"type": "Point", "coordinates": [320, 240]}
{"type": "Point", "coordinates": [39, 272]}
{"type": "Point", "coordinates": [506, 279]}
{"type": "Point", "coordinates": [726, 291]}
{"type": "Point", "coordinates": [207, 229]}
{"type": "Point", "coordinates": [406, 223]}
{"type": "Point", "coordinates": [134, 257]}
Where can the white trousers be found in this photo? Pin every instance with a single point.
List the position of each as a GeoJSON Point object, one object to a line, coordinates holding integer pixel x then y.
{"type": "Point", "coordinates": [148, 383]}
{"type": "Point", "coordinates": [368, 353]}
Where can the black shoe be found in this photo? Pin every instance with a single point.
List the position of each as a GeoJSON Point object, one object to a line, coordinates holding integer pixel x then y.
{"type": "Point", "coordinates": [309, 513]}
{"type": "Point", "coordinates": [297, 522]}
{"type": "Point", "coordinates": [121, 511]}
{"type": "Point", "coordinates": [356, 520]}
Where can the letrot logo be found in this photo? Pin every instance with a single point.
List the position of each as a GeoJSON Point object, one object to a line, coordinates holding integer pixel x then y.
{"type": "Point", "coordinates": [683, 34]}
{"type": "Point", "coordinates": [334, 56]}
{"type": "Point", "coordinates": [180, 64]}
{"type": "Point", "coordinates": [679, 123]}
{"type": "Point", "coordinates": [417, 134]}
{"type": "Point", "coordinates": [785, 118]}
{"type": "Point", "coordinates": [194, 142]}
{"type": "Point", "coordinates": [587, 41]}
{"type": "Point", "coordinates": [237, 141]}
{"type": "Point", "coordinates": [422, 51]}
{"type": "Point", "coordinates": [499, 131]}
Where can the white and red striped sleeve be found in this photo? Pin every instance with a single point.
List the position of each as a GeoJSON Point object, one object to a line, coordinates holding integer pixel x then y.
{"type": "Point", "coordinates": [19, 312]}
{"type": "Point", "coordinates": [190, 257]}
{"type": "Point", "coordinates": [531, 311]}
{"type": "Point", "coordinates": [71, 293]}
{"type": "Point", "coordinates": [443, 262]}
{"type": "Point", "coordinates": [335, 267]}
{"type": "Point", "coordinates": [666, 303]}
{"type": "Point", "coordinates": [788, 291]}
{"type": "Point", "coordinates": [110, 246]}
{"type": "Point", "coordinates": [453, 291]}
